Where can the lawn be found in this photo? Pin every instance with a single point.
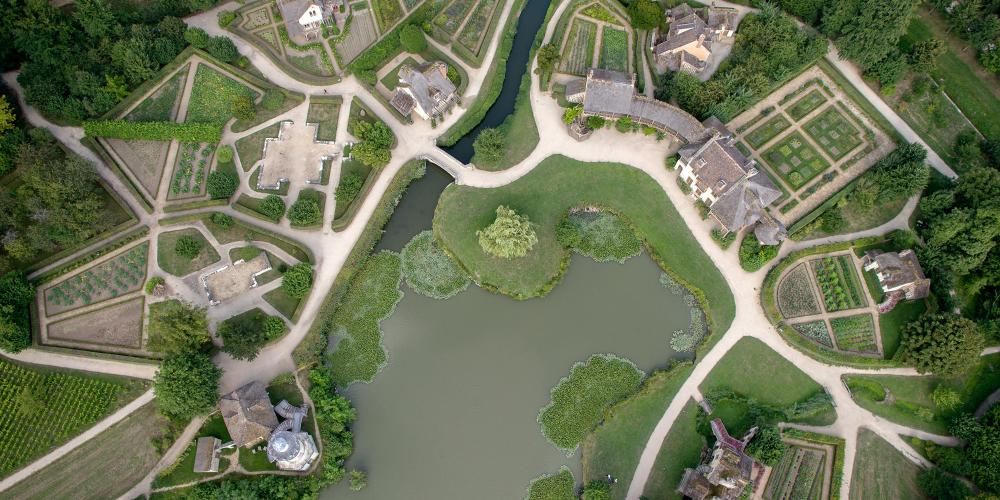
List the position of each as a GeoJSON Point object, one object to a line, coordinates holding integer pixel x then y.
{"type": "Point", "coordinates": [882, 472]}
{"type": "Point", "coordinates": [182, 471]}
{"type": "Point", "coordinates": [324, 111]}
{"type": "Point", "coordinates": [42, 408]}
{"type": "Point", "coordinates": [891, 323]}
{"type": "Point", "coordinates": [104, 467]}
{"type": "Point", "coordinates": [834, 133]}
{"type": "Point", "coordinates": [159, 106]}
{"type": "Point", "coordinates": [578, 401]}
{"type": "Point", "coordinates": [212, 96]}
{"type": "Point", "coordinates": [242, 231]}
{"type": "Point", "coordinates": [855, 333]}
{"type": "Point", "coordinates": [753, 369]}
{"type": "Point", "coordinates": [681, 449]}
{"type": "Point", "coordinates": [282, 302]}
{"type": "Point", "coordinates": [769, 130]}
{"type": "Point", "coordinates": [545, 195]}
{"type": "Point", "coordinates": [250, 148]}
{"type": "Point", "coordinates": [391, 79]}
{"type": "Point", "coordinates": [578, 54]}
{"type": "Point", "coordinates": [350, 168]}
{"type": "Point", "coordinates": [614, 49]}
{"type": "Point", "coordinates": [170, 261]}
{"type": "Point", "coordinates": [806, 104]}
{"type": "Point", "coordinates": [795, 160]}
{"type": "Point", "coordinates": [614, 447]}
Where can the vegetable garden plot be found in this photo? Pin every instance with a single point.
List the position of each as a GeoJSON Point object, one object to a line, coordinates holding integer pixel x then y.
{"type": "Point", "coordinates": [190, 169]}
{"type": "Point", "coordinates": [212, 96]}
{"type": "Point", "coordinates": [796, 296]}
{"type": "Point", "coordinates": [855, 333]}
{"type": "Point", "coordinates": [815, 330]}
{"type": "Point", "coordinates": [159, 106]}
{"type": "Point", "coordinates": [578, 54]}
{"type": "Point", "coordinates": [833, 133]}
{"type": "Point", "coordinates": [361, 35]}
{"type": "Point", "coordinates": [806, 104]}
{"type": "Point", "coordinates": [117, 325]}
{"type": "Point", "coordinates": [475, 28]}
{"type": "Point", "coordinates": [145, 159]}
{"type": "Point", "coordinates": [387, 13]}
{"type": "Point", "coordinates": [452, 16]}
{"type": "Point", "coordinates": [42, 410]}
{"type": "Point", "coordinates": [838, 283]}
{"type": "Point", "coordinates": [614, 49]}
{"type": "Point", "coordinates": [599, 12]}
{"type": "Point", "coordinates": [123, 274]}
{"type": "Point", "coordinates": [769, 130]}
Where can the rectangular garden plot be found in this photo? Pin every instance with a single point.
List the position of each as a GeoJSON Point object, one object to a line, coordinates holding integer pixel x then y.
{"type": "Point", "coordinates": [122, 274]}
{"type": "Point", "coordinates": [855, 333]}
{"type": "Point", "coordinates": [118, 325]}
{"type": "Point", "coordinates": [614, 49]}
{"type": "Point", "coordinates": [799, 475]}
{"type": "Point", "coordinates": [212, 96]}
{"type": "Point", "coordinates": [769, 130]}
{"type": "Point", "coordinates": [795, 160]}
{"type": "Point", "coordinates": [796, 295]}
{"type": "Point", "coordinates": [833, 133]}
{"type": "Point", "coordinates": [474, 31]}
{"type": "Point", "coordinates": [452, 16]}
{"type": "Point", "coordinates": [806, 104]}
{"type": "Point", "coordinates": [160, 105]}
{"type": "Point", "coordinates": [190, 169]}
{"type": "Point", "coordinates": [387, 12]}
{"type": "Point", "coordinates": [145, 159]}
{"type": "Point", "coordinates": [578, 54]}
{"type": "Point", "coordinates": [838, 282]}
{"type": "Point", "coordinates": [816, 331]}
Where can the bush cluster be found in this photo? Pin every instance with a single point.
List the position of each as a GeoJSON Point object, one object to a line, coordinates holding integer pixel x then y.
{"type": "Point", "coordinates": [297, 280]}
{"type": "Point", "coordinates": [602, 236]}
{"type": "Point", "coordinates": [154, 131]}
{"type": "Point", "coordinates": [428, 269]}
{"type": "Point", "coordinates": [753, 255]}
{"type": "Point", "coordinates": [188, 246]}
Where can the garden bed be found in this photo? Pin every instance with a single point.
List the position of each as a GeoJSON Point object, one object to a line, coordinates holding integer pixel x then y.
{"type": "Point", "coordinates": [834, 134]}
{"type": "Point", "coordinates": [122, 274]}
{"type": "Point", "coordinates": [796, 294]}
{"type": "Point", "coordinates": [855, 333]}
{"type": "Point", "coordinates": [795, 160]}
{"type": "Point", "coordinates": [168, 259]}
{"type": "Point", "coordinates": [160, 106]}
{"type": "Point", "coordinates": [578, 54]}
{"type": "Point", "coordinates": [190, 170]}
{"type": "Point", "coordinates": [212, 96]}
{"type": "Point", "coordinates": [838, 283]}
{"type": "Point", "coordinates": [115, 326]}
{"type": "Point", "coordinates": [614, 49]}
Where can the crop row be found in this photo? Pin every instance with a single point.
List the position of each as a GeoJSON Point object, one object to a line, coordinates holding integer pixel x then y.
{"type": "Point", "coordinates": [154, 131]}
{"type": "Point", "coordinates": [108, 279]}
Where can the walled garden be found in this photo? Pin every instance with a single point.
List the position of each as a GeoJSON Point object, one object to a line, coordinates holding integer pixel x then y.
{"type": "Point", "coordinates": [598, 35]}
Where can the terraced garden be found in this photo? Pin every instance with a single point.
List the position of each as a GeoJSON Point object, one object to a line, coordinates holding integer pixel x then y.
{"type": "Point", "coordinates": [769, 130]}
{"type": "Point", "coordinates": [838, 282]}
{"type": "Point", "coordinates": [123, 274]}
{"type": "Point", "coordinates": [614, 49]}
{"type": "Point", "coordinates": [855, 333]}
{"type": "Point", "coordinates": [795, 160]}
{"type": "Point", "coordinates": [578, 54]}
{"type": "Point", "coordinates": [190, 169]}
{"type": "Point", "coordinates": [834, 134]}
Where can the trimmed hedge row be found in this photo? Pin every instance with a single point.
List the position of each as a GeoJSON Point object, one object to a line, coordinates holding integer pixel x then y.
{"type": "Point", "coordinates": [155, 131]}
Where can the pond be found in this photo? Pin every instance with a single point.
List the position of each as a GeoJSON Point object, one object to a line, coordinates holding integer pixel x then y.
{"type": "Point", "coordinates": [453, 415]}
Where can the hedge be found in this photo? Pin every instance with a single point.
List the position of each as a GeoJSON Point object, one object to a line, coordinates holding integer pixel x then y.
{"type": "Point", "coordinates": [155, 131]}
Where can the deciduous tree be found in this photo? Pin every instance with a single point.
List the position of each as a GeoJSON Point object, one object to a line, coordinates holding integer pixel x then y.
{"type": "Point", "coordinates": [297, 280]}
{"type": "Point", "coordinates": [944, 344]}
{"type": "Point", "coordinates": [272, 206]}
{"type": "Point", "coordinates": [510, 235]}
{"type": "Point", "coordinates": [176, 327]}
{"type": "Point", "coordinates": [490, 144]}
{"type": "Point", "coordinates": [412, 39]}
{"type": "Point", "coordinates": [187, 385]}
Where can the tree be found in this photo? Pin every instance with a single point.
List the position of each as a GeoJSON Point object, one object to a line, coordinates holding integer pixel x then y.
{"type": "Point", "coordinates": [243, 335]}
{"type": "Point", "coordinates": [197, 37]}
{"type": "Point", "coordinates": [243, 108]}
{"type": "Point", "coordinates": [272, 206]}
{"type": "Point", "coordinates": [867, 31]}
{"type": "Point", "coordinates": [297, 280]}
{"type": "Point", "coordinates": [832, 221]}
{"type": "Point", "coordinates": [305, 212]}
{"type": "Point", "coordinates": [944, 344]}
{"type": "Point", "coordinates": [925, 54]}
{"type": "Point", "coordinates": [220, 184]}
{"type": "Point", "coordinates": [941, 486]}
{"type": "Point", "coordinates": [490, 145]}
{"type": "Point", "coordinates": [982, 451]}
{"type": "Point", "coordinates": [645, 14]}
{"type": "Point", "coordinates": [946, 398]}
{"type": "Point", "coordinates": [16, 295]}
{"type": "Point", "coordinates": [376, 139]}
{"type": "Point", "coordinates": [223, 49]}
{"type": "Point", "coordinates": [571, 114]}
{"type": "Point", "coordinates": [510, 235]}
{"type": "Point", "coordinates": [753, 255]}
{"type": "Point", "coordinates": [224, 221]}
{"type": "Point", "coordinates": [274, 327]}
{"type": "Point", "coordinates": [7, 116]}
{"type": "Point", "coordinates": [349, 187]}
{"type": "Point", "coordinates": [548, 56]}
{"type": "Point", "coordinates": [767, 446]}
{"type": "Point", "coordinates": [187, 385]}
{"type": "Point", "coordinates": [95, 17]}
{"type": "Point", "coordinates": [176, 327]}
{"type": "Point", "coordinates": [358, 480]}
{"type": "Point", "coordinates": [412, 39]}
{"type": "Point", "coordinates": [188, 246]}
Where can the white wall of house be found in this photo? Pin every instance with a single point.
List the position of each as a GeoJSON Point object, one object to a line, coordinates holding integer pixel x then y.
{"type": "Point", "coordinates": [312, 17]}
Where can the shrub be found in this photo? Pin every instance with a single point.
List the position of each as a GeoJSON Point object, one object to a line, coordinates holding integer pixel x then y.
{"type": "Point", "coordinates": [221, 185]}
{"type": "Point", "coordinates": [223, 49]}
{"type": "Point", "coordinates": [832, 221]}
{"type": "Point", "coordinates": [767, 446]}
{"type": "Point", "coordinates": [946, 398]}
{"type": "Point", "coordinates": [187, 385]}
{"type": "Point", "coordinates": [155, 131]}
{"type": "Point", "coordinates": [225, 154]}
{"type": "Point", "coordinates": [412, 39]}
{"type": "Point", "coordinates": [274, 327]}
{"type": "Point", "coordinates": [490, 144]}
{"type": "Point", "coordinates": [243, 335]}
{"type": "Point", "coordinates": [510, 235]}
{"type": "Point", "coordinates": [429, 271]}
{"type": "Point", "coordinates": [936, 484]}
{"type": "Point", "coordinates": [226, 17]}
{"type": "Point", "coordinates": [753, 255]}
{"type": "Point", "coordinates": [153, 282]}
{"type": "Point", "coordinates": [222, 220]}
{"type": "Point", "coordinates": [197, 37]}
{"type": "Point", "coordinates": [724, 240]}
{"type": "Point", "coordinates": [604, 237]}
{"type": "Point", "coordinates": [243, 108]}
{"type": "Point", "coordinates": [297, 280]}
{"type": "Point", "coordinates": [349, 187]}
{"type": "Point", "coordinates": [272, 206]}
{"type": "Point", "coordinates": [272, 100]}
{"type": "Point", "coordinates": [188, 246]}
{"type": "Point", "coordinates": [305, 212]}
{"type": "Point", "coordinates": [358, 480]}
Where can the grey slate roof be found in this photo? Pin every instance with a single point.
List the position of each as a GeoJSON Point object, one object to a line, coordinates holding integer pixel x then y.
{"type": "Point", "coordinates": [206, 457]}
{"type": "Point", "coordinates": [429, 85]}
{"type": "Point", "coordinates": [684, 31]}
{"type": "Point", "coordinates": [575, 89]}
{"type": "Point", "coordinates": [248, 414]}
{"type": "Point", "coordinates": [901, 270]}
{"type": "Point", "coordinates": [613, 93]}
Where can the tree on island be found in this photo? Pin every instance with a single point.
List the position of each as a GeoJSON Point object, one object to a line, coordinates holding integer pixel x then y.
{"type": "Point", "coordinates": [490, 145]}
{"type": "Point", "coordinates": [944, 344]}
{"type": "Point", "coordinates": [187, 385]}
{"type": "Point", "coordinates": [510, 235]}
{"type": "Point", "coordinates": [176, 327]}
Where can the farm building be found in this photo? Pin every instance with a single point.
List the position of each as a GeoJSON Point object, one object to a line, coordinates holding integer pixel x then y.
{"type": "Point", "coordinates": [304, 18]}
{"type": "Point", "coordinates": [725, 473]}
{"type": "Point", "coordinates": [206, 457]}
{"type": "Point", "coordinates": [899, 275]}
{"type": "Point", "coordinates": [289, 448]}
{"type": "Point", "coordinates": [425, 89]}
{"type": "Point", "coordinates": [735, 190]}
{"type": "Point", "coordinates": [248, 414]}
{"type": "Point", "coordinates": [687, 45]}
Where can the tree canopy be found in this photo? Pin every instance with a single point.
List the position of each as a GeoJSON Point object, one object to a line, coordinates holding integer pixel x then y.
{"type": "Point", "coordinates": [187, 385]}
{"type": "Point", "coordinates": [243, 335]}
{"type": "Point", "coordinates": [944, 344]}
{"type": "Point", "coordinates": [868, 31]}
{"type": "Point", "coordinates": [222, 184]}
{"type": "Point", "coordinates": [16, 295]}
{"type": "Point", "coordinates": [981, 452]}
{"type": "Point", "coordinates": [376, 141]}
{"type": "Point", "coordinates": [176, 327]}
{"type": "Point", "coordinates": [645, 14]}
{"type": "Point", "coordinates": [767, 446]}
{"type": "Point", "coordinates": [510, 235]}
{"type": "Point", "coordinates": [412, 39]}
{"type": "Point", "coordinates": [297, 280]}
{"type": "Point", "coordinates": [490, 144]}
{"type": "Point", "coordinates": [305, 211]}
{"type": "Point", "coordinates": [272, 206]}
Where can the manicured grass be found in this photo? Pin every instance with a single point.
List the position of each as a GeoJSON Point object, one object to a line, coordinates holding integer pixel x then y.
{"type": "Point", "coordinates": [391, 79]}
{"type": "Point", "coordinates": [170, 261]}
{"type": "Point", "coordinates": [553, 486]}
{"type": "Point", "coordinates": [614, 49]}
{"type": "Point", "coordinates": [255, 459]}
{"type": "Point", "coordinates": [212, 96]}
{"type": "Point", "coordinates": [103, 467]}
{"type": "Point", "coordinates": [834, 134]}
{"type": "Point", "coordinates": [241, 231]}
{"type": "Point", "coordinates": [769, 130]}
{"type": "Point", "coordinates": [159, 106]}
{"type": "Point", "coordinates": [545, 195]}
{"type": "Point", "coordinates": [882, 472]}
{"type": "Point", "coordinates": [614, 447]}
{"type": "Point", "coordinates": [325, 112]}
{"type": "Point", "coordinates": [681, 449]}
{"type": "Point", "coordinates": [805, 104]}
{"type": "Point", "coordinates": [371, 297]}
{"type": "Point", "coordinates": [855, 333]}
{"type": "Point", "coordinates": [891, 323]}
{"type": "Point", "coordinates": [282, 302]}
{"type": "Point", "coordinates": [347, 168]}
{"type": "Point", "coordinates": [795, 160]}
{"type": "Point", "coordinates": [42, 408]}
{"type": "Point", "coordinates": [250, 148]}
{"type": "Point", "coordinates": [182, 471]}
{"type": "Point", "coordinates": [580, 399]}
{"type": "Point", "coordinates": [751, 368]}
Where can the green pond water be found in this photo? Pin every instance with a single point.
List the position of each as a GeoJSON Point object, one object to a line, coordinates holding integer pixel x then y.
{"type": "Point", "coordinates": [453, 415]}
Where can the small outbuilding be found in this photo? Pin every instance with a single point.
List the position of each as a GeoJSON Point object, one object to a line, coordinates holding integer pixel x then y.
{"type": "Point", "coordinates": [206, 457]}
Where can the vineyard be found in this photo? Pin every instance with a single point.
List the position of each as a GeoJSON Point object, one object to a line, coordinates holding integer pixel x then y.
{"type": "Point", "coordinates": [120, 275]}
{"type": "Point", "coordinates": [855, 333]}
{"type": "Point", "coordinates": [578, 54]}
{"type": "Point", "coordinates": [614, 49]}
{"type": "Point", "coordinates": [40, 411]}
{"type": "Point", "coordinates": [839, 283]}
{"type": "Point", "coordinates": [190, 170]}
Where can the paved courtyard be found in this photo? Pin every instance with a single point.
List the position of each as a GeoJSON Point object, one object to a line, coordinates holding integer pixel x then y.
{"type": "Point", "coordinates": [235, 280]}
{"type": "Point", "coordinates": [294, 157]}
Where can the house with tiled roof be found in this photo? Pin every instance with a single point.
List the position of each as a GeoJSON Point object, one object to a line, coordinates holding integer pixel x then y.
{"type": "Point", "coordinates": [725, 473]}
{"type": "Point", "coordinates": [730, 184]}
{"type": "Point", "coordinates": [687, 45]}
{"type": "Point", "coordinates": [424, 89]}
{"type": "Point", "coordinates": [248, 414]}
{"type": "Point", "coordinates": [899, 275]}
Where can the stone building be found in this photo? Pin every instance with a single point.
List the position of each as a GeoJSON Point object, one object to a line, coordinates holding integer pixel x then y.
{"type": "Point", "coordinates": [425, 89]}
{"type": "Point", "coordinates": [248, 414]}
{"type": "Point", "coordinates": [289, 448]}
{"type": "Point", "coordinates": [687, 45]}
{"type": "Point", "coordinates": [899, 275]}
{"type": "Point", "coordinates": [725, 473]}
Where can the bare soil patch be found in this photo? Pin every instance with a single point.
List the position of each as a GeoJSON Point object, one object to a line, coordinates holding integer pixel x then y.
{"type": "Point", "coordinates": [145, 159]}
{"type": "Point", "coordinates": [118, 325]}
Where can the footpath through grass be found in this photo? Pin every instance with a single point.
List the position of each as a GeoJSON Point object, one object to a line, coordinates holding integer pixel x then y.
{"type": "Point", "coordinates": [751, 368]}
{"type": "Point", "coordinates": [545, 195]}
{"type": "Point", "coordinates": [681, 449]}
